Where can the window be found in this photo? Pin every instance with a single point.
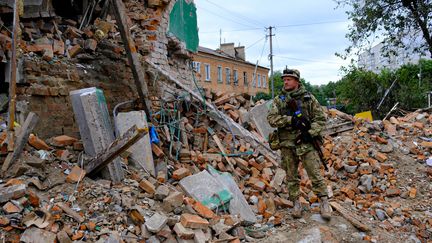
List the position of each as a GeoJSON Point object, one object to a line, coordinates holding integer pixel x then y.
{"type": "Point", "coordinates": [207, 72]}
{"type": "Point", "coordinates": [259, 80]}
{"type": "Point", "coordinates": [264, 81]}
{"type": "Point", "coordinates": [245, 81]}
{"type": "Point", "coordinates": [227, 75]}
{"type": "Point", "coordinates": [235, 78]}
{"type": "Point", "coordinates": [196, 66]}
{"type": "Point", "coordinates": [219, 74]}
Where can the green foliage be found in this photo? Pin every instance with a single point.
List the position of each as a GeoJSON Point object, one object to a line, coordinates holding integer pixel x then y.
{"type": "Point", "coordinates": [400, 22]}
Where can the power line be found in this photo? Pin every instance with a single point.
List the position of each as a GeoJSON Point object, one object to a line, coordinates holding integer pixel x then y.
{"type": "Point", "coordinates": [305, 60]}
{"type": "Point", "coordinates": [237, 14]}
{"type": "Point", "coordinates": [238, 30]}
{"type": "Point", "coordinates": [225, 17]}
{"type": "Point", "coordinates": [280, 26]}
{"type": "Point", "coordinates": [255, 42]}
{"type": "Point", "coordinates": [313, 23]}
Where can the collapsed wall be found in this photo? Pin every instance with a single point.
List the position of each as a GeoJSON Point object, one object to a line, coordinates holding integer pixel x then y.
{"type": "Point", "coordinates": [59, 54]}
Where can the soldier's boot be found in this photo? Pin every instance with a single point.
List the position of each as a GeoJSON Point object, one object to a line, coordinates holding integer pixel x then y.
{"type": "Point", "coordinates": [297, 210]}
{"type": "Point", "coordinates": [325, 208]}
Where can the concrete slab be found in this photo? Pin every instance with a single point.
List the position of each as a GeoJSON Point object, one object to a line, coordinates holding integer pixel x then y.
{"type": "Point", "coordinates": [141, 151]}
{"type": "Point", "coordinates": [258, 115]}
{"type": "Point", "coordinates": [238, 204]}
{"type": "Point", "coordinates": [203, 187]}
{"type": "Point", "coordinates": [94, 122]}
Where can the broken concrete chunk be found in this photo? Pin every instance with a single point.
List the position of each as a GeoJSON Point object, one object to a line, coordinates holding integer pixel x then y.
{"type": "Point", "coordinates": [156, 222]}
{"type": "Point", "coordinates": [35, 235]}
{"type": "Point", "coordinates": [175, 199]}
{"type": "Point", "coordinates": [12, 192]}
{"type": "Point", "coordinates": [183, 232]}
{"type": "Point", "coordinates": [161, 192]}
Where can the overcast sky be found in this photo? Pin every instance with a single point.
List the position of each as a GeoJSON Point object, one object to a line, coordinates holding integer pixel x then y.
{"type": "Point", "coordinates": [308, 33]}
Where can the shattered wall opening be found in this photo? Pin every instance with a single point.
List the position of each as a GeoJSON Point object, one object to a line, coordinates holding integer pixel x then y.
{"type": "Point", "coordinates": [4, 87]}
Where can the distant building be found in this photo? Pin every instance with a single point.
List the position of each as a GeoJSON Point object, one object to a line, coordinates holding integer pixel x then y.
{"type": "Point", "coordinates": [374, 60]}
{"type": "Point", "coordinates": [227, 70]}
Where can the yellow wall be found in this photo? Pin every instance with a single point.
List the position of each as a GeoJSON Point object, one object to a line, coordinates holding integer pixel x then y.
{"type": "Point", "coordinates": [240, 66]}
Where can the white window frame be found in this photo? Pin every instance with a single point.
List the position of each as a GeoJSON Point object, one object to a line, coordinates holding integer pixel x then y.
{"type": "Point", "coordinates": [235, 76]}
{"type": "Point", "coordinates": [196, 66]}
{"type": "Point", "coordinates": [227, 75]}
{"type": "Point", "coordinates": [207, 72]}
{"type": "Point", "coordinates": [264, 81]}
{"type": "Point", "coordinates": [219, 74]}
{"type": "Point", "coordinates": [259, 80]}
{"type": "Point", "coordinates": [245, 79]}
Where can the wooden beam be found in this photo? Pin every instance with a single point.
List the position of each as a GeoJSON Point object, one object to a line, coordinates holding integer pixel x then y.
{"type": "Point", "coordinates": [222, 149]}
{"type": "Point", "coordinates": [133, 56]}
{"type": "Point", "coordinates": [12, 83]}
{"type": "Point", "coordinates": [22, 139]}
{"type": "Point", "coordinates": [355, 222]}
{"type": "Point", "coordinates": [117, 147]}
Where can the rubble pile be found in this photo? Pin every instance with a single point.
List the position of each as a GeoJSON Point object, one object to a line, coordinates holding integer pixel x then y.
{"type": "Point", "coordinates": [379, 171]}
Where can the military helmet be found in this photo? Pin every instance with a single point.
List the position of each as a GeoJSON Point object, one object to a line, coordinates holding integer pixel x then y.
{"type": "Point", "coordinates": [291, 73]}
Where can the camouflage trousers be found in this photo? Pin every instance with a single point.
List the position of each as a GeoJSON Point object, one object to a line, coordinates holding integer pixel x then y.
{"type": "Point", "coordinates": [311, 162]}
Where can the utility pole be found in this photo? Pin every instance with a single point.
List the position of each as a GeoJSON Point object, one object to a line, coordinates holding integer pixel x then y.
{"type": "Point", "coordinates": [270, 28]}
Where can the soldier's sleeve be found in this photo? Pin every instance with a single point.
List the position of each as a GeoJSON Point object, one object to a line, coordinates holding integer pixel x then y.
{"type": "Point", "coordinates": [318, 120]}
{"type": "Point", "coordinates": [277, 120]}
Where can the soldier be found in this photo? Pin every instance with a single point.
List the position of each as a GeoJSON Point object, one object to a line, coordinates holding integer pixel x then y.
{"type": "Point", "coordinates": [293, 107]}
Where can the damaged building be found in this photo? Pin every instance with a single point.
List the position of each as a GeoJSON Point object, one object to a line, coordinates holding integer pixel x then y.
{"type": "Point", "coordinates": [68, 45]}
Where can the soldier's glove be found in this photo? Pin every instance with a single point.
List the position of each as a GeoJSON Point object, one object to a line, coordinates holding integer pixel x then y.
{"type": "Point", "coordinates": [300, 122]}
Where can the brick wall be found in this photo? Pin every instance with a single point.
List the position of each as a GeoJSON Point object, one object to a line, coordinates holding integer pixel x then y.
{"type": "Point", "coordinates": [47, 82]}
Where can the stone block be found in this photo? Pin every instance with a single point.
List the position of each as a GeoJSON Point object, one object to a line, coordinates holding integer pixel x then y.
{"type": "Point", "coordinates": [175, 199]}
{"type": "Point", "coordinates": [161, 192]}
{"type": "Point", "coordinates": [180, 173]}
{"type": "Point", "coordinates": [12, 192]}
{"type": "Point", "coordinates": [36, 235]}
{"type": "Point", "coordinates": [156, 222]}
{"type": "Point", "coordinates": [182, 232]}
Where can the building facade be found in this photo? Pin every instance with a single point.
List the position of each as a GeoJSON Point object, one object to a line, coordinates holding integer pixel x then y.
{"type": "Point", "coordinates": [227, 70]}
{"type": "Point", "coordinates": [374, 59]}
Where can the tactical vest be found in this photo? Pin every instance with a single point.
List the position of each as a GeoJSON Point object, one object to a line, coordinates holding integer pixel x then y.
{"type": "Point", "coordinates": [287, 135]}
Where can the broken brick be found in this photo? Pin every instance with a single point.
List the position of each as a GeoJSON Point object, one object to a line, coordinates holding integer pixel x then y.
{"type": "Point", "coordinates": [193, 221]}
{"type": "Point", "coordinates": [64, 140]}
{"type": "Point", "coordinates": [76, 174]}
{"type": "Point", "coordinates": [147, 186]}
{"type": "Point", "coordinates": [180, 173]}
{"type": "Point", "coordinates": [37, 143]}
{"type": "Point", "coordinates": [203, 211]}
{"type": "Point", "coordinates": [182, 232]}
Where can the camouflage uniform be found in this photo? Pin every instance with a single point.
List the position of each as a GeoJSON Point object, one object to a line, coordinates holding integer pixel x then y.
{"type": "Point", "coordinates": [280, 117]}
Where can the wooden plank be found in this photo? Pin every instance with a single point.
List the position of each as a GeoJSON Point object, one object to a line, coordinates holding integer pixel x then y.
{"type": "Point", "coordinates": [133, 56]}
{"type": "Point", "coordinates": [222, 149]}
{"type": "Point", "coordinates": [70, 212]}
{"type": "Point", "coordinates": [183, 134]}
{"type": "Point", "coordinates": [22, 139]}
{"type": "Point", "coordinates": [115, 149]}
{"type": "Point", "coordinates": [347, 215]}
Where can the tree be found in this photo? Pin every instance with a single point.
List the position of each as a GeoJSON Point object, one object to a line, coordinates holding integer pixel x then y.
{"type": "Point", "coordinates": [396, 20]}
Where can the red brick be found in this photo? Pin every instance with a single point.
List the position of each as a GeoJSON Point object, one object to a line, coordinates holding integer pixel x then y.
{"type": "Point", "coordinates": [64, 140]}
{"type": "Point", "coordinates": [58, 47]}
{"type": "Point", "coordinates": [11, 208]}
{"type": "Point", "coordinates": [37, 143]}
{"type": "Point", "coordinates": [75, 50]}
{"type": "Point", "coordinates": [157, 150]}
{"type": "Point", "coordinates": [147, 186]}
{"type": "Point", "coordinates": [203, 211]}
{"type": "Point", "coordinates": [181, 173]}
{"type": "Point", "coordinates": [77, 174]}
{"type": "Point", "coordinates": [193, 221]}
{"type": "Point", "coordinates": [381, 157]}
